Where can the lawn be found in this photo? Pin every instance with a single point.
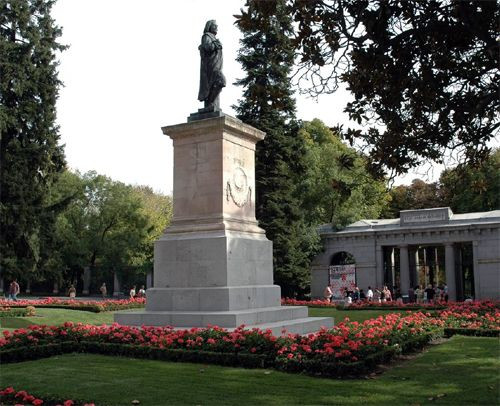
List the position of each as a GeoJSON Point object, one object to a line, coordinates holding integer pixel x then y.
{"type": "Point", "coordinates": [58, 316]}
{"type": "Point", "coordinates": [462, 371]}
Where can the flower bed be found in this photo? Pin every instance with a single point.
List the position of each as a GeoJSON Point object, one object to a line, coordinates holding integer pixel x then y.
{"type": "Point", "coordinates": [95, 306]}
{"type": "Point", "coordinates": [350, 348]}
{"type": "Point", "coordinates": [11, 396]}
{"type": "Point", "coordinates": [484, 305]}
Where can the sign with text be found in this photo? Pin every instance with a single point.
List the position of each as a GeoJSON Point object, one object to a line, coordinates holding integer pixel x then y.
{"type": "Point", "coordinates": [440, 214]}
{"type": "Point", "coordinates": [341, 277]}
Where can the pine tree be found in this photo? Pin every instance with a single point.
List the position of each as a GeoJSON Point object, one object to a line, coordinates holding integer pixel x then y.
{"type": "Point", "coordinates": [267, 104]}
{"type": "Point", "coordinates": [31, 157]}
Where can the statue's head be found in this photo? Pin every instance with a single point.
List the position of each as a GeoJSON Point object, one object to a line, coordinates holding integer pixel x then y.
{"type": "Point", "coordinates": [210, 26]}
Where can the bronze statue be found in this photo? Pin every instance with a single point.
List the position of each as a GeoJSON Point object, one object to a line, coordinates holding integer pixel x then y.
{"type": "Point", "coordinates": [211, 78]}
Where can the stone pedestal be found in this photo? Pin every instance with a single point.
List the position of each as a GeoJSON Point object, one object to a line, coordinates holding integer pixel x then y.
{"type": "Point", "coordinates": [213, 265]}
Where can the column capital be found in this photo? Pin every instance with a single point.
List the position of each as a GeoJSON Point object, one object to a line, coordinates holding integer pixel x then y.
{"type": "Point", "coordinates": [402, 245]}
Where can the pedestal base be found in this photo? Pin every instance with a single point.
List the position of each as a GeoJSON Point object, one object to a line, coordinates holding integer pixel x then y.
{"type": "Point", "coordinates": [292, 318]}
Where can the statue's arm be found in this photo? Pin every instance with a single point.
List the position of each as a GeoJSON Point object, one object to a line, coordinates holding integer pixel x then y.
{"type": "Point", "coordinates": [210, 45]}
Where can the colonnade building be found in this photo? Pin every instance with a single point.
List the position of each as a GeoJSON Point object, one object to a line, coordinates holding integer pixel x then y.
{"type": "Point", "coordinates": [422, 247]}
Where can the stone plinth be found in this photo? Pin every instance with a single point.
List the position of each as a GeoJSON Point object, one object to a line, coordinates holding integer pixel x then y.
{"type": "Point", "coordinates": [213, 264]}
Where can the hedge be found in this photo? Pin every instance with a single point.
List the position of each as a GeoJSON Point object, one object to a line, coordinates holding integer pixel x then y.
{"type": "Point", "coordinates": [451, 331]}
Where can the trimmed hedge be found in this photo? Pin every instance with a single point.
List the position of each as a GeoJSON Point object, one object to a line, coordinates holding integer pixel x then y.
{"type": "Point", "coordinates": [14, 312]}
{"type": "Point", "coordinates": [245, 360]}
{"type": "Point", "coordinates": [451, 331]}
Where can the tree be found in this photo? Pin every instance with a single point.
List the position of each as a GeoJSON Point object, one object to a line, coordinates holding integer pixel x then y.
{"type": "Point", "coordinates": [158, 209]}
{"type": "Point", "coordinates": [104, 227]}
{"type": "Point", "coordinates": [336, 187]}
{"type": "Point", "coordinates": [31, 157]}
{"type": "Point", "coordinates": [469, 188]}
{"type": "Point", "coordinates": [424, 74]}
{"type": "Point", "coordinates": [267, 57]}
{"type": "Point", "coordinates": [418, 195]}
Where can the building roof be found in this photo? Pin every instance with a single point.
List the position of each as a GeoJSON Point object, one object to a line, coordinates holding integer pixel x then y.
{"type": "Point", "coordinates": [435, 217]}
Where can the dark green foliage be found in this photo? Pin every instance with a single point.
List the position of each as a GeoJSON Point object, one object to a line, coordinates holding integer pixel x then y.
{"type": "Point", "coordinates": [267, 58]}
{"type": "Point", "coordinates": [466, 188]}
{"type": "Point", "coordinates": [31, 158]}
{"type": "Point", "coordinates": [336, 187]}
{"type": "Point", "coordinates": [470, 188]}
{"type": "Point", "coordinates": [418, 195]}
{"type": "Point", "coordinates": [424, 74]}
{"type": "Point", "coordinates": [476, 332]}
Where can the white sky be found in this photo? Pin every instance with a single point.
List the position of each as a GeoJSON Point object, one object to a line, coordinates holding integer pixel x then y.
{"type": "Point", "coordinates": [133, 67]}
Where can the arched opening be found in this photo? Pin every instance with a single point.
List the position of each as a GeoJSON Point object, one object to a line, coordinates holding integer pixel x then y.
{"type": "Point", "coordinates": [342, 274]}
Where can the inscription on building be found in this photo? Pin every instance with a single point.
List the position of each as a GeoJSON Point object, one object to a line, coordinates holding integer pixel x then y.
{"type": "Point", "coordinates": [425, 216]}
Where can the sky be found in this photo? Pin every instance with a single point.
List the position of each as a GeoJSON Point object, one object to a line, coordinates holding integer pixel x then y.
{"type": "Point", "coordinates": [133, 67]}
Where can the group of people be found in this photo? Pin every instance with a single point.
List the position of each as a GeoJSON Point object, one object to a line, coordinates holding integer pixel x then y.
{"type": "Point", "coordinates": [430, 294]}
{"type": "Point", "coordinates": [134, 295]}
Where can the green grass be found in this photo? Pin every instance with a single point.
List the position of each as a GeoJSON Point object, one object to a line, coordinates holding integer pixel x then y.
{"type": "Point", "coordinates": [463, 369]}
{"type": "Point", "coordinates": [58, 316]}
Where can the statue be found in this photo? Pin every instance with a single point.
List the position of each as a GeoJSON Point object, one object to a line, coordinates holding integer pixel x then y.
{"type": "Point", "coordinates": [211, 78]}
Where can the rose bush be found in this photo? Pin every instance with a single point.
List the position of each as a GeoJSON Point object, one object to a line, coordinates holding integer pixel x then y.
{"type": "Point", "coordinates": [11, 396]}
{"type": "Point", "coordinates": [87, 305]}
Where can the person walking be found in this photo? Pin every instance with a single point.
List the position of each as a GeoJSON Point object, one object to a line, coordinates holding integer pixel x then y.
{"type": "Point", "coordinates": [14, 290]}
{"type": "Point", "coordinates": [72, 292]}
{"type": "Point", "coordinates": [328, 294]}
{"type": "Point", "coordinates": [104, 290]}
{"type": "Point", "coordinates": [369, 294]}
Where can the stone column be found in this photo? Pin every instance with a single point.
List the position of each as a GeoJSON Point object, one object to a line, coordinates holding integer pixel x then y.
{"type": "Point", "coordinates": [449, 266]}
{"type": "Point", "coordinates": [28, 287]}
{"type": "Point", "coordinates": [404, 270]}
{"type": "Point", "coordinates": [55, 290]}
{"type": "Point", "coordinates": [379, 274]}
{"type": "Point", "coordinates": [477, 282]}
{"type": "Point", "coordinates": [87, 273]}
{"type": "Point", "coordinates": [116, 285]}
{"type": "Point", "coordinates": [149, 280]}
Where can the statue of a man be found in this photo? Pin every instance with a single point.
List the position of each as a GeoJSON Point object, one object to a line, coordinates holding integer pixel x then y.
{"type": "Point", "coordinates": [211, 78]}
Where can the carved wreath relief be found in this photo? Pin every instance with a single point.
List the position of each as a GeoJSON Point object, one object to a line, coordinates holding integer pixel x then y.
{"type": "Point", "coordinates": [238, 189]}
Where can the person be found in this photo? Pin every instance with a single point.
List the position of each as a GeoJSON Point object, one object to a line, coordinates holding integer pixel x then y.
{"type": "Point", "coordinates": [132, 292]}
{"type": "Point", "coordinates": [72, 291]}
{"type": "Point", "coordinates": [362, 295]}
{"type": "Point", "coordinates": [445, 293]}
{"type": "Point", "coordinates": [411, 295]}
{"type": "Point", "coordinates": [437, 294]}
{"type": "Point", "coordinates": [419, 294]}
{"type": "Point", "coordinates": [212, 79]}
{"type": "Point", "coordinates": [142, 292]}
{"type": "Point", "coordinates": [377, 295]}
{"type": "Point", "coordinates": [387, 294]}
{"type": "Point", "coordinates": [369, 294]}
{"type": "Point", "coordinates": [104, 290]}
{"type": "Point", "coordinates": [430, 293]}
{"type": "Point", "coordinates": [355, 296]}
{"type": "Point", "coordinates": [328, 294]}
{"type": "Point", "coordinates": [382, 295]}
{"type": "Point", "coordinates": [14, 290]}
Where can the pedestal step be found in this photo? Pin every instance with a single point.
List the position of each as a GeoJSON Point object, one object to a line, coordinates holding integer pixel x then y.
{"type": "Point", "coordinates": [298, 326]}
{"type": "Point", "coordinates": [226, 319]}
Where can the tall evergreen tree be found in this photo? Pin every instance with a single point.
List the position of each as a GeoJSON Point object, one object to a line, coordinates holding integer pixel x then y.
{"type": "Point", "coordinates": [267, 104]}
{"type": "Point", "coordinates": [31, 157]}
